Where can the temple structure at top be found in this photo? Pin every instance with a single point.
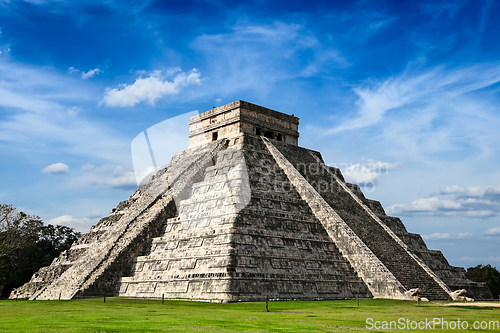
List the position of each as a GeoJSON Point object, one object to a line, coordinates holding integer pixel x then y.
{"type": "Point", "coordinates": [230, 120]}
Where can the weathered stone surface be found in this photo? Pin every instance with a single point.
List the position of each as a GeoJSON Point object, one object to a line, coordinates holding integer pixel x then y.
{"type": "Point", "coordinates": [380, 281]}
{"type": "Point", "coordinates": [414, 294]}
{"type": "Point", "coordinates": [231, 120]}
{"type": "Point", "coordinates": [457, 293]}
{"type": "Point", "coordinates": [246, 214]}
{"type": "Point", "coordinates": [247, 248]}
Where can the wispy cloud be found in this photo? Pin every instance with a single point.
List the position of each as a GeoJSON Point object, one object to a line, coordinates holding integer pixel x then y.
{"type": "Point", "coordinates": [368, 172]}
{"type": "Point", "coordinates": [491, 191]}
{"type": "Point", "coordinates": [255, 56]}
{"type": "Point", "coordinates": [57, 168]}
{"type": "Point", "coordinates": [94, 214]}
{"type": "Point", "coordinates": [72, 70]}
{"type": "Point", "coordinates": [111, 176]}
{"type": "Point", "coordinates": [81, 225]}
{"type": "Point", "coordinates": [33, 100]}
{"type": "Point", "coordinates": [91, 73]}
{"type": "Point", "coordinates": [85, 75]}
{"type": "Point", "coordinates": [445, 236]}
{"type": "Point", "coordinates": [484, 17]}
{"type": "Point", "coordinates": [379, 24]}
{"type": "Point", "coordinates": [74, 110]}
{"type": "Point", "coordinates": [493, 232]}
{"type": "Point", "coordinates": [438, 9]}
{"type": "Point", "coordinates": [473, 202]}
{"type": "Point", "coordinates": [435, 86]}
{"type": "Point", "coordinates": [150, 89]}
{"type": "Point", "coordinates": [479, 259]}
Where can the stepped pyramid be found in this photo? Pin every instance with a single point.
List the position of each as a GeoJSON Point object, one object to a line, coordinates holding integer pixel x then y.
{"type": "Point", "coordinates": [244, 214]}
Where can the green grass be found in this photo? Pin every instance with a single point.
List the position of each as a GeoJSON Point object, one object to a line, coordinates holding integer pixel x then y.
{"type": "Point", "coordinates": [141, 315]}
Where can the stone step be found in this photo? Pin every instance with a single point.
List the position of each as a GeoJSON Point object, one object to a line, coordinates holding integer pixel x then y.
{"type": "Point", "coordinates": [397, 259]}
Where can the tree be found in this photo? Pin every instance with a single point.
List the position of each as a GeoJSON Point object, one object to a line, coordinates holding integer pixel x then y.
{"type": "Point", "coordinates": [487, 274]}
{"type": "Point", "coordinates": [26, 245]}
{"type": "Point", "coordinates": [7, 216]}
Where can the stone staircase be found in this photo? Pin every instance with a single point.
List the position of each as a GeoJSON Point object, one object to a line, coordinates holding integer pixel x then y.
{"type": "Point", "coordinates": [377, 277]}
{"type": "Point", "coordinates": [253, 238]}
{"type": "Point", "coordinates": [69, 283]}
{"type": "Point", "coordinates": [195, 243]}
{"type": "Point", "coordinates": [103, 255]}
{"type": "Point", "coordinates": [410, 270]}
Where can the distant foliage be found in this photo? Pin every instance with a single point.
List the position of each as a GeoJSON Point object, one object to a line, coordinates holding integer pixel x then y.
{"type": "Point", "coordinates": [26, 245]}
{"type": "Point", "coordinates": [487, 274]}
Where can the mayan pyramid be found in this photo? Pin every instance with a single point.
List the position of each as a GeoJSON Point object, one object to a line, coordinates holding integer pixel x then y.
{"type": "Point", "coordinates": [244, 214]}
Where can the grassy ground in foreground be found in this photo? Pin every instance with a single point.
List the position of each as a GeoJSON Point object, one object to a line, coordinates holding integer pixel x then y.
{"type": "Point", "coordinates": [141, 315]}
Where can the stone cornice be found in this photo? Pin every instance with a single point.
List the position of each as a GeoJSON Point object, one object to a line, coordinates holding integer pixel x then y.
{"type": "Point", "coordinates": [247, 106]}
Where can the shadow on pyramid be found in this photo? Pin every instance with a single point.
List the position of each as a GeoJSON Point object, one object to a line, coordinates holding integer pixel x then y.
{"type": "Point", "coordinates": [245, 214]}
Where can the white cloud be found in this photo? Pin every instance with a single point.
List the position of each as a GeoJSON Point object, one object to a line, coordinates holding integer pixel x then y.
{"type": "Point", "coordinates": [87, 167]}
{"type": "Point", "coordinates": [368, 172]}
{"type": "Point", "coordinates": [34, 103]}
{"type": "Point", "coordinates": [91, 73]}
{"type": "Point", "coordinates": [74, 110]}
{"type": "Point", "coordinates": [125, 180]}
{"type": "Point", "coordinates": [493, 232]}
{"type": "Point", "coordinates": [482, 191]}
{"type": "Point", "coordinates": [359, 174]}
{"type": "Point", "coordinates": [81, 225]}
{"type": "Point", "coordinates": [452, 189]}
{"type": "Point", "coordinates": [94, 214]}
{"type": "Point", "coordinates": [443, 236]}
{"type": "Point", "coordinates": [56, 168]}
{"type": "Point", "coordinates": [380, 24]}
{"type": "Point", "coordinates": [255, 57]}
{"type": "Point", "coordinates": [473, 202]}
{"type": "Point", "coordinates": [432, 204]}
{"type": "Point", "coordinates": [111, 176]}
{"type": "Point", "coordinates": [72, 70]}
{"type": "Point", "coordinates": [410, 88]}
{"type": "Point", "coordinates": [488, 259]}
{"type": "Point", "coordinates": [480, 213]}
{"type": "Point", "coordinates": [85, 75]}
{"type": "Point", "coordinates": [150, 89]}
{"type": "Point", "coordinates": [13, 97]}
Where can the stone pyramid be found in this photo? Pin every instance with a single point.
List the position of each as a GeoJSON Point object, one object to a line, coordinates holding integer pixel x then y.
{"type": "Point", "coordinates": [244, 214]}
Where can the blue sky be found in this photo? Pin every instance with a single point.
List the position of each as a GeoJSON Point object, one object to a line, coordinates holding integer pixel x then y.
{"type": "Point", "coordinates": [402, 95]}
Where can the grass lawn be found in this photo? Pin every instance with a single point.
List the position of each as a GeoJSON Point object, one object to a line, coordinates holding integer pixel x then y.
{"type": "Point", "coordinates": [142, 315]}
